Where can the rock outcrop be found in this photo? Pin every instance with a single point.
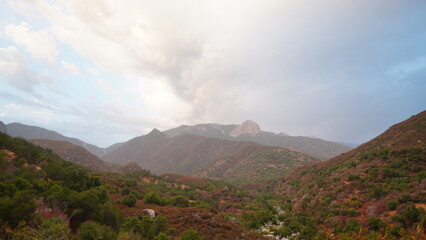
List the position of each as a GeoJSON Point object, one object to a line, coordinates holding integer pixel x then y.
{"type": "Point", "coordinates": [149, 212]}
{"type": "Point", "coordinates": [246, 128]}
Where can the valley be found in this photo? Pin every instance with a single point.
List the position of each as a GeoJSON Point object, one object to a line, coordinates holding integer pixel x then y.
{"type": "Point", "coordinates": [213, 187]}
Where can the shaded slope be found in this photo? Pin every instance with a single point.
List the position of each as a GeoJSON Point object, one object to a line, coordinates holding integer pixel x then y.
{"type": "Point", "coordinates": [74, 154]}
{"type": "Point", "coordinates": [250, 131]}
{"type": "Point", "coordinates": [3, 127]}
{"type": "Point", "coordinates": [254, 164]}
{"type": "Point", "coordinates": [181, 154]}
{"type": "Point", "coordinates": [33, 132]}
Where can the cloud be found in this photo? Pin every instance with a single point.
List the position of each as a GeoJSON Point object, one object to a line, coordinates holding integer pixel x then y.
{"type": "Point", "coordinates": [70, 68]}
{"type": "Point", "coordinates": [302, 67]}
{"type": "Point", "coordinates": [14, 69]}
{"type": "Point", "coordinates": [39, 44]}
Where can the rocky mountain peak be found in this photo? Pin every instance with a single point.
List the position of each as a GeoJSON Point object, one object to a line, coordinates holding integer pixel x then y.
{"type": "Point", "coordinates": [155, 132]}
{"type": "Point", "coordinates": [247, 127]}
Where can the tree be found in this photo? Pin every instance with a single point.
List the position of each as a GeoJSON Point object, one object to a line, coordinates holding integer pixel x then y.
{"type": "Point", "coordinates": [110, 216]}
{"type": "Point", "coordinates": [54, 229]}
{"type": "Point", "coordinates": [19, 208]}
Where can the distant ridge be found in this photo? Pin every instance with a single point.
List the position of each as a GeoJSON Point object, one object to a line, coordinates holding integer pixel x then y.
{"type": "Point", "coordinates": [74, 154]}
{"type": "Point", "coordinates": [239, 162]}
{"type": "Point", "coordinates": [3, 127]}
{"type": "Point", "coordinates": [250, 131]}
{"type": "Point", "coordinates": [33, 132]}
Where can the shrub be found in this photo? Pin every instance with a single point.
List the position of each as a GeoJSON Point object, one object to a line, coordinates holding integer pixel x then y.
{"type": "Point", "coordinates": [129, 200]}
{"type": "Point", "coordinates": [94, 231]}
{"type": "Point", "coordinates": [189, 234]}
{"type": "Point", "coordinates": [375, 224]}
{"type": "Point", "coordinates": [378, 191]}
{"type": "Point", "coordinates": [410, 214]}
{"type": "Point", "coordinates": [162, 236]}
{"type": "Point", "coordinates": [391, 205]}
{"type": "Point", "coordinates": [148, 228]}
{"type": "Point", "coordinates": [180, 201]}
{"type": "Point", "coordinates": [132, 225]}
{"type": "Point", "coordinates": [397, 231]}
{"type": "Point", "coordinates": [129, 236]}
{"type": "Point", "coordinates": [351, 225]}
{"type": "Point", "coordinates": [404, 198]}
{"type": "Point", "coordinates": [54, 228]}
{"type": "Point", "coordinates": [393, 173]}
{"type": "Point", "coordinates": [110, 216]}
{"type": "Point", "coordinates": [153, 198]}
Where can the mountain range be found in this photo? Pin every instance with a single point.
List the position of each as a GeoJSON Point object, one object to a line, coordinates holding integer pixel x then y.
{"type": "Point", "coordinates": [236, 161]}
{"type": "Point", "coordinates": [250, 131]}
{"type": "Point", "coordinates": [33, 132]}
{"type": "Point", "coordinates": [247, 131]}
{"type": "Point", "coordinates": [240, 154]}
{"type": "Point", "coordinates": [375, 191]}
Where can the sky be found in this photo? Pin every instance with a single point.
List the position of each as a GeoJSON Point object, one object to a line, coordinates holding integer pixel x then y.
{"type": "Point", "coordinates": [106, 71]}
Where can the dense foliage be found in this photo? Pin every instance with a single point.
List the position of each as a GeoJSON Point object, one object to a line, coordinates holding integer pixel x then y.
{"type": "Point", "coordinates": [36, 184]}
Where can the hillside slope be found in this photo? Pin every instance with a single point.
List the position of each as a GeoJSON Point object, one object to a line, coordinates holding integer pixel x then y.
{"type": "Point", "coordinates": [33, 132]}
{"type": "Point", "coordinates": [250, 131]}
{"type": "Point", "coordinates": [380, 185]}
{"type": "Point", "coordinates": [236, 161]}
{"type": "Point", "coordinates": [254, 164]}
{"type": "Point", "coordinates": [74, 154]}
{"type": "Point", "coordinates": [3, 127]}
{"type": "Point", "coordinates": [43, 196]}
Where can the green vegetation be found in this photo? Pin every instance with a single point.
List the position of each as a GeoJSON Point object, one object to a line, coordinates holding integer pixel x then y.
{"type": "Point", "coordinates": [32, 178]}
{"type": "Point", "coordinates": [189, 234]}
{"type": "Point", "coordinates": [94, 231]}
{"type": "Point", "coordinates": [351, 198]}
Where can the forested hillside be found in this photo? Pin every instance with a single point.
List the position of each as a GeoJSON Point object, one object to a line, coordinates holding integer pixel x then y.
{"type": "Point", "coordinates": [42, 195]}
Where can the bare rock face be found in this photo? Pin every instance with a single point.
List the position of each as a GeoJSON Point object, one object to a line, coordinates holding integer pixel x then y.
{"type": "Point", "coordinates": [247, 127]}
{"type": "Point", "coordinates": [150, 212]}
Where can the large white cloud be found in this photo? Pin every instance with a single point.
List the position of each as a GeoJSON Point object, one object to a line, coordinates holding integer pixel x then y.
{"type": "Point", "coordinates": [293, 66]}
{"type": "Point", "coordinates": [40, 44]}
{"type": "Point", "coordinates": [14, 69]}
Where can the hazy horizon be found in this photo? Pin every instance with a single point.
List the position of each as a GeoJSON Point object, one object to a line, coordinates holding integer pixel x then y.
{"type": "Point", "coordinates": [107, 71]}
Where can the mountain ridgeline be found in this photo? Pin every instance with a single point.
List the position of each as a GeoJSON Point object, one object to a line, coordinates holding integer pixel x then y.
{"type": "Point", "coordinates": [240, 154]}
{"type": "Point", "coordinates": [247, 131]}
{"type": "Point", "coordinates": [235, 161]}
{"type": "Point", "coordinates": [250, 131]}
{"type": "Point", "coordinates": [33, 132]}
{"type": "Point", "coordinates": [75, 154]}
